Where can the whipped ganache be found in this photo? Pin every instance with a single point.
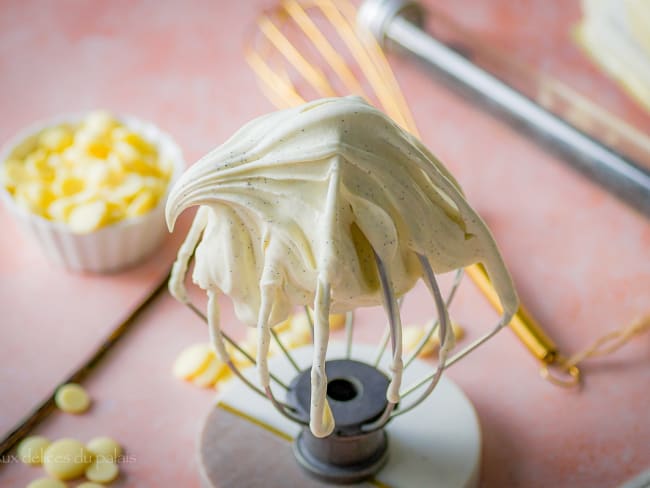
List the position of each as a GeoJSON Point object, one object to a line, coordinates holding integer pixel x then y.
{"type": "Point", "coordinates": [301, 205]}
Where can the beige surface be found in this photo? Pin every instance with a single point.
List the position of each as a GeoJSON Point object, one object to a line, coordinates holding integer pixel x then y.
{"type": "Point", "coordinates": [579, 258]}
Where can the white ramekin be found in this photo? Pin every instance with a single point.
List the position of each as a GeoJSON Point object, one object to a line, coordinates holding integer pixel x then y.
{"type": "Point", "coordinates": [109, 248]}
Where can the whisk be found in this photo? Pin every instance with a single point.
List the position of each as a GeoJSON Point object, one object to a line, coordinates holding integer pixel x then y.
{"type": "Point", "coordinates": [281, 54]}
{"type": "Point", "coordinates": [357, 258]}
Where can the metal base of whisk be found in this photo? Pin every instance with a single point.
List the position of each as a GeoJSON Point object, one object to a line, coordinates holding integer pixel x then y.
{"type": "Point", "coordinates": [357, 395]}
{"type": "Point", "coordinates": [321, 458]}
{"type": "Point", "coordinates": [244, 441]}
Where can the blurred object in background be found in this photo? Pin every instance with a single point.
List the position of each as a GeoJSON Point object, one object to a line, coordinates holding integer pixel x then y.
{"type": "Point", "coordinates": [550, 92]}
{"type": "Point", "coordinates": [616, 35]}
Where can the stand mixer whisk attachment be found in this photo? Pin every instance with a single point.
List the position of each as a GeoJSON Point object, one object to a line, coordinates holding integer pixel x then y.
{"type": "Point", "coordinates": [330, 205]}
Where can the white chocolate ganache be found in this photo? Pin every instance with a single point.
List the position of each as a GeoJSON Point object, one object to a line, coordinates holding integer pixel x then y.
{"type": "Point", "coordinates": [297, 208]}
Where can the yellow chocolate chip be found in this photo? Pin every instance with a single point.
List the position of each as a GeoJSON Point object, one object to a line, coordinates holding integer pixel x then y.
{"type": "Point", "coordinates": [47, 483]}
{"type": "Point", "coordinates": [411, 336]}
{"type": "Point", "coordinates": [337, 321]}
{"type": "Point", "coordinates": [166, 167]}
{"type": "Point", "coordinates": [37, 162]}
{"type": "Point", "coordinates": [104, 448]}
{"type": "Point", "coordinates": [87, 217]}
{"type": "Point", "coordinates": [300, 322]}
{"type": "Point", "coordinates": [36, 196]}
{"type": "Point", "coordinates": [458, 331]}
{"type": "Point", "coordinates": [142, 203]}
{"type": "Point", "coordinates": [66, 459]}
{"type": "Point", "coordinates": [282, 326]}
{"type": "Point", "coordinates": [126, 153]}
{"type": "Point", "coordinates": [68, 185]}
{"type": "Point", "coordinates": [249, 345]}
{"type": "Point", "coordinates": [223, 377]}
{"type": "Point", "coordinates": [55, 161]}
{"type": "Point", "coordinates": [92, 142]}
{"type": "Point", "coordinates": [72, 398]}
{"type": "Point", "coordinates": [61, 208]}
{"type": "Point", "coordinates": [292, 339]}
{"type": "Point", "coordinates": [211, 375]}
{"type": "Point", "coordinates": [56, 139]}
{"type": "Point", "coordinates": [102, 471]}
{"type": "Point", "coordinates": [114, 175]}
{"type": "Point", "coordinates": [31, 449]}
{"type": "Point", "coordinates": [192, 361]}
{"type": "Point", "coordinates": [128, 188]}
{"type": "Point", "coordinates": [138, 142]}
{"type": "Point", "coordinates": [95, 173]}
{"type": "Point", "coordinates": [301, 327]}
{"type": "Point", "coordinates": [119, 133]}
{"type": "Point", "coordinates": [12, 174]}
{"type": "Point", "coordinates": [115, 211]}
{"type": "Point", "coordinates": [100, 122]}
{"type": "Point", "coordinates": [143, 167]}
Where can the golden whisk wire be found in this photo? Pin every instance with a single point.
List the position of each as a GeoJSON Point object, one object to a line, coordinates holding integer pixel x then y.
{"type": "Point", "coordinates": [272, 53]}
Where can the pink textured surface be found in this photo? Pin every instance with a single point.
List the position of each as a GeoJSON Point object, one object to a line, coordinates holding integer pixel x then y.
{"type": "Point", "coordinates": [581, 260]}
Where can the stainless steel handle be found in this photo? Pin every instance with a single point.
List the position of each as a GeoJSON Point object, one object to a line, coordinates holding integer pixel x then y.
{"type": "Point", "coordinates": [389, 20]}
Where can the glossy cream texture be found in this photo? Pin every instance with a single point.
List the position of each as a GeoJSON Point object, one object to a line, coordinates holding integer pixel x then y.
{"type": "Point", "coordinates": [297, 207]}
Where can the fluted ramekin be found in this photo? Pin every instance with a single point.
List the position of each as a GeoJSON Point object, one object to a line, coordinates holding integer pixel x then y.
{"type": "Point", "coordinates": [108, 248]}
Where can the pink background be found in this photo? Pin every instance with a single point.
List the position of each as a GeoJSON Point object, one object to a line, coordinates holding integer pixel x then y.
{"type": "Point", "coordinates": [580, 259]}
